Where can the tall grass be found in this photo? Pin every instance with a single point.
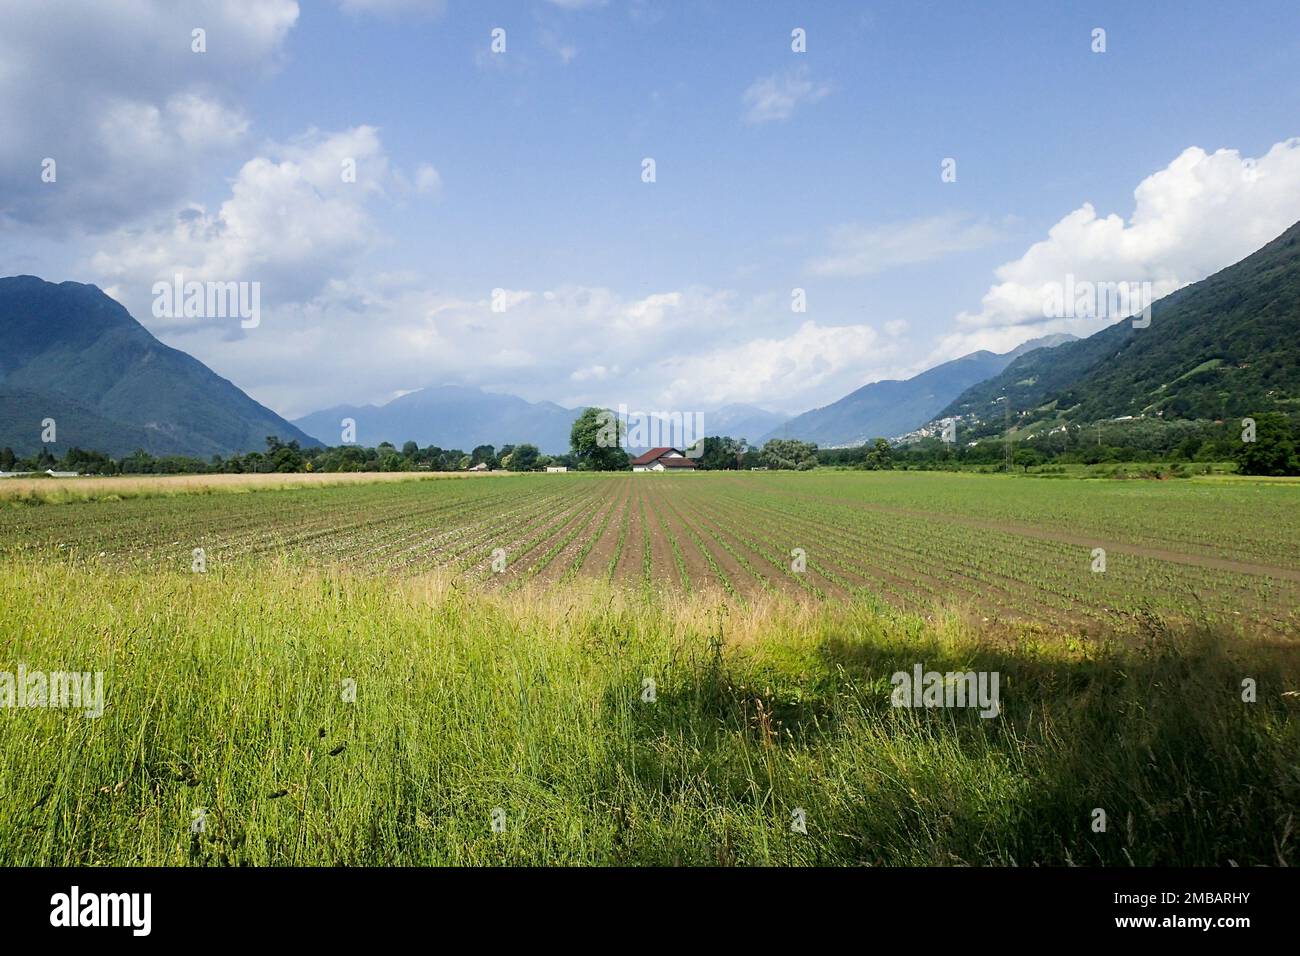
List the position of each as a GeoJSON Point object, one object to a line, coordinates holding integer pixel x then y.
{"type": "Point", "coordinates": [225, 694]}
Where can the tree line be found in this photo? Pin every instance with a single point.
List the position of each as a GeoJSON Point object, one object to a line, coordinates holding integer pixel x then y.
{"type": "Point", "coordinates": [1273, 451]}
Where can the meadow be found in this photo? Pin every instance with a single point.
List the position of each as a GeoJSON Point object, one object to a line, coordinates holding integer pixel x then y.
{"type": "Point", "coordinates": [649, 678]}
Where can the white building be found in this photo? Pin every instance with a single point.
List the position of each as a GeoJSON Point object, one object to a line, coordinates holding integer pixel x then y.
{"type": "Point", "coordinates": [663, 459]}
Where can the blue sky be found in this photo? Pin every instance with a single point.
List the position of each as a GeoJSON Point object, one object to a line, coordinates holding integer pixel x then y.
{"type": "Point", "coordinates": [521, 171]}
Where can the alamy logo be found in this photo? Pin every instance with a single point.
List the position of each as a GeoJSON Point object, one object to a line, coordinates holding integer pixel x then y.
{"type": "Point", "coordinates": [209, 300]}
{"type": "Point", "coordinates": [103, 909]}
{"type": "Point", "coordinates": [1074, 299]}
{"type": "Point", "coordinates": [663, 429]}
{"type": "Point", "coordinates": [923, 688]}
{"type": "Point", "coordinates": [71, 690]}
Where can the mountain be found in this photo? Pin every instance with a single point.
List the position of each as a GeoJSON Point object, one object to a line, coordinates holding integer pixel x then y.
{"type": "Point", "coordinates": [71, 353]}
{"type": "Point", "coordinates": [1222, 348]}
{"type": "Point", "coordinates": [454, 416]}
{"type": "Point", "coordinates": [742, 421]}
{"type": "Point", "coordinates": [892, 407]}
{"type": "Point", "coordinates": [22, 411]}
{"type": "Point", "coordinates": [449, 416]}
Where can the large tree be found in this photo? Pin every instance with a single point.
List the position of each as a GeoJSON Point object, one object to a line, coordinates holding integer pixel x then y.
{"type": "Point", "coordinates": [788, 453]}
{"type": "Point", "coordinates": [1273, 450]}
{"type": "Point", "coordinates": [880, 457]}
{"type": "Point", "coordinates": [719, 453]}
{"type": "Point", "coordinates": [1027, 458]}
{"type": "Point", "coordinates": [524, 457]}
{"type": "Point", "coordinates": [597, 441]}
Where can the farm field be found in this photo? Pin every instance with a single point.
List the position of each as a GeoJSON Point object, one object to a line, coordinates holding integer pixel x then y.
{"type": "Point", "coordinates": [997, 548]}
{"type": "Point", "coordinates": [647, 681]}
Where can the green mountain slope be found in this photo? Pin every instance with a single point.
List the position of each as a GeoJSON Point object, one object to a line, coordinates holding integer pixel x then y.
{"type": "Point", "coordinates": [117, 387]}
{"type": "Point", "coordinates": [889, 408]}
{"type": "Point", "coordinates": [22, 411]}
{"type": "Point", "coordinates": [1224, 347]}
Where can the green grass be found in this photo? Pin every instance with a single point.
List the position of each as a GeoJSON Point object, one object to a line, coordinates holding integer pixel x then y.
{"type": "Point", "coordinates": [224, 693]}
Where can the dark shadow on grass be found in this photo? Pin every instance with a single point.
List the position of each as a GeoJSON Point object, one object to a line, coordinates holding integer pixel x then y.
{"type": "Point", "coordinates": [1154, 732]}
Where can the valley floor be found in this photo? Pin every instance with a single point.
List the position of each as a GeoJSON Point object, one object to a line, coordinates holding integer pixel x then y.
{"type": "Point", "coordinates": [645, 669]}
{"type": "Point", "coordinates": [1073, 556]}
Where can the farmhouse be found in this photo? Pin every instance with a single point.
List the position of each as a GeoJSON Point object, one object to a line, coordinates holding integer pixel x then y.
{"type": "Point", "coordinates": [663, 459]}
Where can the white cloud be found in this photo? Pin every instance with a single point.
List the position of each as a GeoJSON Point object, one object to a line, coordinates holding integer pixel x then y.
{"type": "Point", "coordinates": [859, 250]}
{"type": "Point", "coordinates": [594, 373]}
{"type": "Point", "coordinates": [154, 118]}
{"type": "Point", "coordinates": [291, 222]}
{"type": "Point", "coordinates": [814, 361]}
{"type": "Point", "coordinates": [777, 96]}
{"type": "Point", "coordinates": [427, 181]}
{"type": "Point", "coordinates": [507, 299]}
{"type": "Point", "coordinates": [692, 348]}
{"type": "Point", "coordinates": [1201, 213]}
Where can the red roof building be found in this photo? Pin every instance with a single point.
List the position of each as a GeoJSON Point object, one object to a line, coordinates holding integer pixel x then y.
{"type": "Point", "coordinates": [663, 459]}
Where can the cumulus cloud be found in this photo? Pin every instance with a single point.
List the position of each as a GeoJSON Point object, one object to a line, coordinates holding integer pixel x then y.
{"type": "Point", "coordinates": [577, 345]}
{"type": "Point", "coordinates": [1201, 213]}
{"type": "Point", "coordinates": [296, 220]}
{"type": "Point", "coordinates": [813, 362]}
{"type": "Point", "coordinates": [777, 96]}
{"type": "Point", "coordinates": [428, 182]}
{"type": "Point", "coordinates": [140, 149]}
{"type": "Point", "coordinates": [155, 118]}
{"type": "Point", "coordinates": [858, 251]}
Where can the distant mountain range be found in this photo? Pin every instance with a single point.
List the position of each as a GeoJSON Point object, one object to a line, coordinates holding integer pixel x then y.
{"type": "Point", "coordinates": [890, 408]}
{"type": "Point", "coordinates": [455, 416]}
{"type": "Point", "coordinates": [1224, 347]}
{"type": "Point", "coordinates": [742, 421]}
{"type": "Point", "coordinates": [69, 352]}
{"type": "Point", "coordinates": [449, 416]}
